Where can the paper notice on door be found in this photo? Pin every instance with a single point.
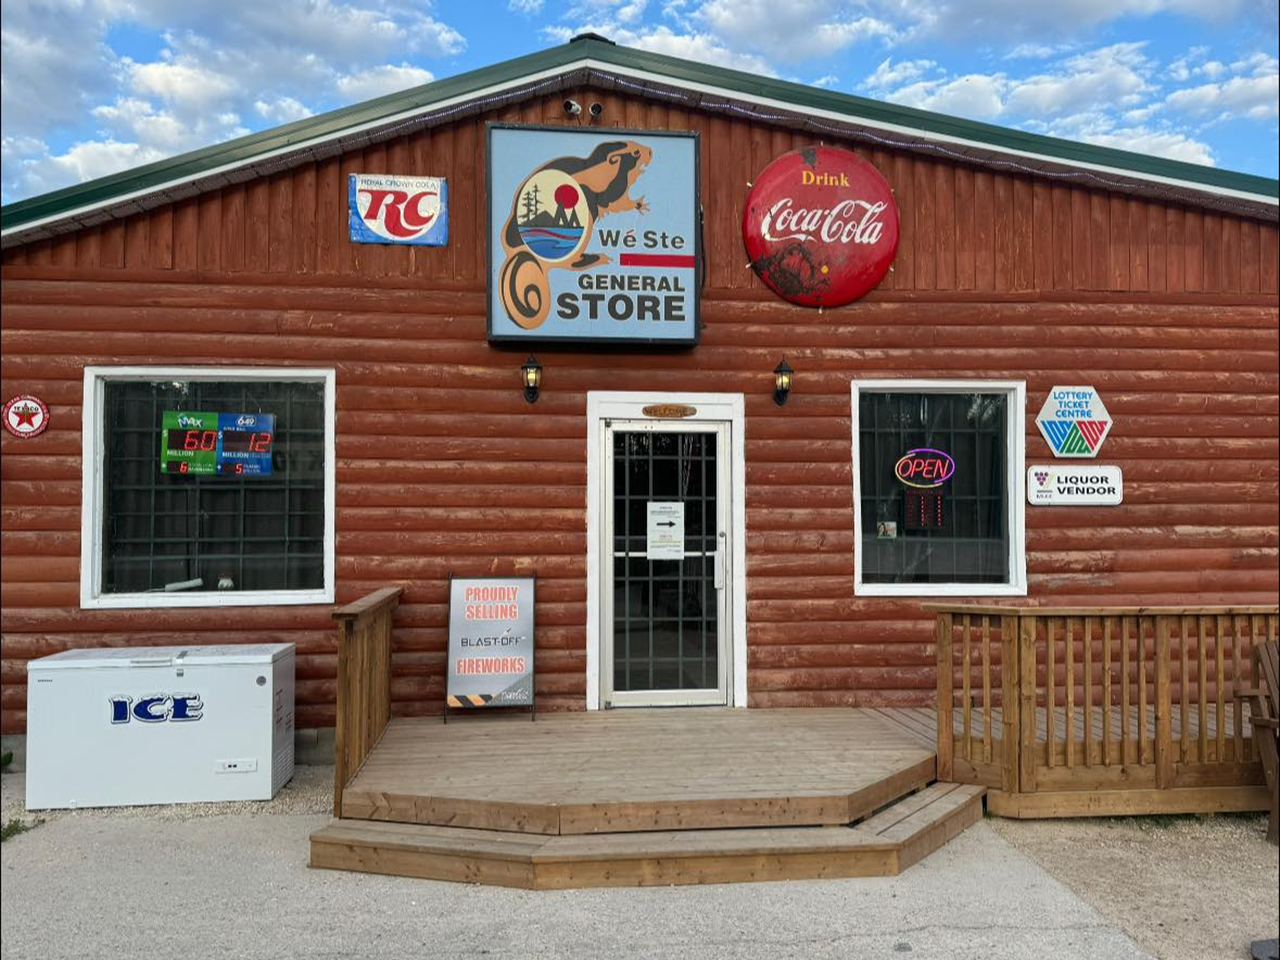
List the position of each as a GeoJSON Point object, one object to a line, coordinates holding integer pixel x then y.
{"type": "Point", "coordinates": [666, 531]}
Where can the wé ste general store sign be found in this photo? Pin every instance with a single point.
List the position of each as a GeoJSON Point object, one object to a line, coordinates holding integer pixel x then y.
{"type": "Point", "coordinates": [593, 235]}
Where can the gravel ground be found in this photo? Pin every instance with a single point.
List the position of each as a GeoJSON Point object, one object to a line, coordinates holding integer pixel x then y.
{"type": "Point", "coordinates": [310, 791]}
{"type": "Point", "coordinates": [231, 886]}
{"type": "Point", "coordinates": [1186, 888]}
{"type": "Point", "coordinates": [1194, 888]}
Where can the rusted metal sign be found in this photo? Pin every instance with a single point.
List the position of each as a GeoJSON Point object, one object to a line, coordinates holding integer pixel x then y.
{"type": "Point", "coordinates": [26, 416]}
{"type": "Point", "coordinates": [821, 226]}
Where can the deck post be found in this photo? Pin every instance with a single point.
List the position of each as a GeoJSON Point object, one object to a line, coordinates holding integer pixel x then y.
{"type": "Point", "coordinates": [364, 683]}
{"type": "Point", "coordinates": [340, 772]}
{"type": "Point", "coordinates": [1164, 695]}
{"type": "Point", "coordinates": [1027, 702]}
{"type": "Point", "coordinates": [1010, 707]}
{"type": "Point", "coordinates": [946, 681]}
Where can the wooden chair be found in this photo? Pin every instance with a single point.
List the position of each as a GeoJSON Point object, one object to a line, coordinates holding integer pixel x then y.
{"type": "Point", "coordinates": [1265, 718]}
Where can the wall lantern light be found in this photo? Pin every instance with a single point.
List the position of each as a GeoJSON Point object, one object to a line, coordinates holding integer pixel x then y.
{"type": "Point", "coordinates": [782, 382]}
{"type": "Point", "coordinates": [531, 374]}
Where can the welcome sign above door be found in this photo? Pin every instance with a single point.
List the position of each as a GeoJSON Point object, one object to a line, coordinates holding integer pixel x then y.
{"type": "Point", "coordinates": [593, 235]}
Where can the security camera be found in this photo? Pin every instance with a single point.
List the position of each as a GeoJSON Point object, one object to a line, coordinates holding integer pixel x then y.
{"type": "Point", "coordinates": [572, 108]}
{"type": "Point", "coordinates": [596, 109]}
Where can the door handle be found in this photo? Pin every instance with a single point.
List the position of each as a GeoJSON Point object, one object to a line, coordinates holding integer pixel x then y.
{"type": "Point", "coordinates": [719, 568]}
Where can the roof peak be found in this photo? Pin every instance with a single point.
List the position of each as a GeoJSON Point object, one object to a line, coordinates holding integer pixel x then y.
{"type": "Point", "coordinates": [818, 112]}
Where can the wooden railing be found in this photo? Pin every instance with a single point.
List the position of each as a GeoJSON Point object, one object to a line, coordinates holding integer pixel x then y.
{"type": "Point", "coordinates": [364, 682]}
{"type": "Point", "coordinates": [1045, 700]}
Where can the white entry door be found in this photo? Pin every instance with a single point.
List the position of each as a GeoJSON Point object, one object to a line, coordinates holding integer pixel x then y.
{"type": "Point", "coordinates": [665, 555]}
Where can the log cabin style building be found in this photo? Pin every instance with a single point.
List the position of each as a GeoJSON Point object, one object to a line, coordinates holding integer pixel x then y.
{"type": "Point", "coordinates": [742, 371]}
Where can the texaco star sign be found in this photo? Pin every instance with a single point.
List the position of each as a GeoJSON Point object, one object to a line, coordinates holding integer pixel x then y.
{"type": "Point", "coordinates": [26, 417]}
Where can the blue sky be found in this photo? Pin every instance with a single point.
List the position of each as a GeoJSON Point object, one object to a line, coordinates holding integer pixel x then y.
{"type": "Point", "coordinates": [94, 86]}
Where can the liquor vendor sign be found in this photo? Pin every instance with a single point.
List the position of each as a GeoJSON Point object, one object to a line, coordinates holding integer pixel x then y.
{"type": "Point", "coordinates": [820, 227]}
{"type": "Point", "coordinates": [593, 235]}
{"type": "Point", "coordinates": [204, 443]}
{"type": "Point", "coordinates": [1083, 486]}
{"type": "Point", "coordinates": [490, 642]}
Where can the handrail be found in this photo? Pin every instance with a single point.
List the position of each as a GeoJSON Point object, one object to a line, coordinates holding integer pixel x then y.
{"type": "Point", "coordinates": [364, 682]}
{"type": "Point", "coordinates": [1034, 699]}
{"type": "Point", "coordinates": [368, 604]}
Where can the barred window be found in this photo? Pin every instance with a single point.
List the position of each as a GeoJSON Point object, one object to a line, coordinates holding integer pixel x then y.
{"type": "Point", "coordinates": [242, 514]}
{"type": "Point", "coordinates": [938, 483]}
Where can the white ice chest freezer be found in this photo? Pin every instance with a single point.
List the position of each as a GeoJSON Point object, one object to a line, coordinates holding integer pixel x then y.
{"type": "Point", "coordinates": [131, 725]}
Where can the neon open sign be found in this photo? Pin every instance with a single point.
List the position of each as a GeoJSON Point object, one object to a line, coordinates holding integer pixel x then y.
{"type": "Point", "coordinates": [924, 468]}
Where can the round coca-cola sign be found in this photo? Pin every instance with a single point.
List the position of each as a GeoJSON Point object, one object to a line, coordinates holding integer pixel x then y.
{"type": "Point", "coordinates": [821, 226]}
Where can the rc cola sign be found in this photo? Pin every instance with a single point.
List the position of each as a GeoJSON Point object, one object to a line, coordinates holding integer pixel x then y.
{"type": "Point", "coordinates": [820, 227]}
{"type": "Point", "coordinates": [401, 210]}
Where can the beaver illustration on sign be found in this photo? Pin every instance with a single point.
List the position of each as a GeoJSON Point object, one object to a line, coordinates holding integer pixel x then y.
{"type": "Point", "coordinates": [553, 217]}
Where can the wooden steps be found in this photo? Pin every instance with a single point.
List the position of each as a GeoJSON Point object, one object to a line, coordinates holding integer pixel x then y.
{"type": "Point", "coordinates": [763, 805]}
{"type": "Point", "coordinates": [882, 845]}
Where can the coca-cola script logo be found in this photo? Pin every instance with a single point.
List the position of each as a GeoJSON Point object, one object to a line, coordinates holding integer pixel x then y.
{"type": "Point", "coordinates": [821, 226]}
{"type": "Point", "coordinates": [391, 209]}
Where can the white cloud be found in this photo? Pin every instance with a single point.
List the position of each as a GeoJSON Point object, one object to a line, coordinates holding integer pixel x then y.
{"type": "Point", "coordinates": [790, 30]}
{"type": "Point", "coordinates": [51, 62]}
{"type": "Point", "coordinates": [379, 81]}
{"type": "Point", "coordinates": [1258, 64]}
{"type": "Point", "coordinates": [184, 83]}
{"type": "Point", "coordinates": [1254, 98]}
{"type": "Point", "coordinates": [890, 75]}
{"type": "Point", "coordinates": [978, 96]}
{"type": "Point", "coordinates": [1168, 144]}
{"type": "Point", "coordinates": [281, 110]}
{"type": "Point", "coordinates": [1115, 75]}
{"type": "Point", "coordinates": [224, 66]}
{"type": "Point", "coordinates": [699, 47]}
{"type": "Point", "coordinates": [29, 167]}
{"type": "Point", "coordinates": [161, 129]}
{"type": "Point", "coordinates": [630, 12]}
{"type": "Point", "coordinates": [1036, 51]}
{"type": "Point", "coordinates": [87, 161]}
{"type": "Point", "coordinates": [72, 105]}
{"type": "Point", "coordinates": [1106, 96]}
{"type": "Point", "coordinates": [702, 48]}
{"type": "Point", "coordinates": [1014, 19]}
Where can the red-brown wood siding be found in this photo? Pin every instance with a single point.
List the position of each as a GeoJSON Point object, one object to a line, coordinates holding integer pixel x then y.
{"type": "Point", "coordinates": [1170, 312]}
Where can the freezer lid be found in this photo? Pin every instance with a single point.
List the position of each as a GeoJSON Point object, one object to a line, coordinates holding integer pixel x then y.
{"type": "Point", "coordinates": [132, 657]}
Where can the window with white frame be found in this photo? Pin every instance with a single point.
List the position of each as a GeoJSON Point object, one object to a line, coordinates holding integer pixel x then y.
{"type": "Point", "coordinates": [207, 486]}
{"type": "Point", "coordinates": [938, 487]}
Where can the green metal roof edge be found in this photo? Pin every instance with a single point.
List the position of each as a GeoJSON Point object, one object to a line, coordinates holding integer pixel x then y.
{"type": "Point", "coordinates": [1001, 138]}
{"type": "Point", "coordinates": [335, 122]}
{"type": "Point", "coordinates": [182, 166]}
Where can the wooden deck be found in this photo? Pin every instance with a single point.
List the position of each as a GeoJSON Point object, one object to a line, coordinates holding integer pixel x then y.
{"type": "Point", "coordinates": [634, 770]}
{"type": "Point", "coordinates": [640, 797]}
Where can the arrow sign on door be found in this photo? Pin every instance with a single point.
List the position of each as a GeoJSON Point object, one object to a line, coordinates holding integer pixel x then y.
{"type": "Point", "coordinates": [666, 530]}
